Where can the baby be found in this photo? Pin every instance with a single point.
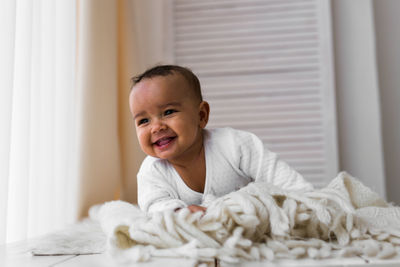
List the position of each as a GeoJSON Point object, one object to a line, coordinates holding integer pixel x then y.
{"type": "Point", "coordinates": [185, 161]}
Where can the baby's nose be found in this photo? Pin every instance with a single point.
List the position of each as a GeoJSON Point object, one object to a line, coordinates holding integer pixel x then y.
{"type": "Point", "coordinates": [157, 126]}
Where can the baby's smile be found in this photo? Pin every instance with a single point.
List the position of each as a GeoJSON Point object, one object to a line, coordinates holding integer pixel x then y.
{"type": "Point", "coordinates": [164, 142]}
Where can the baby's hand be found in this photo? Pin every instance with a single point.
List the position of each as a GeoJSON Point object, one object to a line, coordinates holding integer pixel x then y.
{"type": "Point", "coordinates": [194, 208]}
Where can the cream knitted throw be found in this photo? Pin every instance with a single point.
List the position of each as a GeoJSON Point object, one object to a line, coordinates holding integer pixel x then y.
{"type": "Point", "coordinates": [260, 221]}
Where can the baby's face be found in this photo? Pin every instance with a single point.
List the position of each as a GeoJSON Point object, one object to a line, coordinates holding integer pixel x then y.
{"type": "Point", "coordinates": [167, 116]}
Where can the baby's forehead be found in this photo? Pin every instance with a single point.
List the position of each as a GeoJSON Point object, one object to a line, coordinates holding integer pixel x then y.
{"type": "Point", "coordinates": [174, 82]}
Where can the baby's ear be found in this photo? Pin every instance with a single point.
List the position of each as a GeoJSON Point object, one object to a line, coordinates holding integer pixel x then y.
{"type": "Point", "coordinates": [204, 112]}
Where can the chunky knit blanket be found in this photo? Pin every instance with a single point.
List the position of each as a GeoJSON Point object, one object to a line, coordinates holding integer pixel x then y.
{"type": "Point", "coordinates": [260, 221]}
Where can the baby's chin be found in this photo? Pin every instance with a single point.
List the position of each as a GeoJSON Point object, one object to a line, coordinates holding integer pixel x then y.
{"type": "Point", "coordinates": [154, 154]}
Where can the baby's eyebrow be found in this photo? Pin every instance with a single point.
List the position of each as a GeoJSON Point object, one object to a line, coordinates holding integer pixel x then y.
{"type": "Point", "coordinates": [170, 104]}
{"type": "Point", "coordinates": [139, 114]}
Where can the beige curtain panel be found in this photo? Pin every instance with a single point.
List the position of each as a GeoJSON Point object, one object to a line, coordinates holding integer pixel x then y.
{"type": "Point", "coordinates": [116, 40]}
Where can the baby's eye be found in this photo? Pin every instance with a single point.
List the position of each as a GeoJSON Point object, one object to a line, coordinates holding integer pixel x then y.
{"type": "Point", "coordinates": [142, 121]}
{"type": "Point", "coordinates": [169, 112]}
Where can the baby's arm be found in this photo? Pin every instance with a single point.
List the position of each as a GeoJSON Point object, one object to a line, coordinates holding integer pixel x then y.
{"type": "Point", "coordinates": [155, 194]}
{"type": "Point", "coordinates": [262, 165]}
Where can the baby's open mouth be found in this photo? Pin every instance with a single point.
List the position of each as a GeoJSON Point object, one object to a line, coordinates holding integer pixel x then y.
{"type": "Point", "coordinates": [164, 141]}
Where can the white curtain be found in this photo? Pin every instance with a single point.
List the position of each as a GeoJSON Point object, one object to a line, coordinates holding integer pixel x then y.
{"type": "Point", "coordinates": [37, 117]}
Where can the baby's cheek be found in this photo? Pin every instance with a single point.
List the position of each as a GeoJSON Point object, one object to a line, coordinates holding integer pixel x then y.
{"type": "Point", "coordinates": [143, 138]}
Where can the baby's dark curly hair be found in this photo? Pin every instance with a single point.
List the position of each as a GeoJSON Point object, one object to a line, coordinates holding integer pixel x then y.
{"type": "Point", "coordinates": [165, 70]}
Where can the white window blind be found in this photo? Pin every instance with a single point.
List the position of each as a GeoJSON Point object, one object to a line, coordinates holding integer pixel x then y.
{"type": "Point", "coordinates": [266, 67]}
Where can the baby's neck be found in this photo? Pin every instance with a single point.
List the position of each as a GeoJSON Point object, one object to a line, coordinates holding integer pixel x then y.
{"type": "Point", "coordinates": [192, 169]}
{"type": "Point", "coordinates": [193, 173]}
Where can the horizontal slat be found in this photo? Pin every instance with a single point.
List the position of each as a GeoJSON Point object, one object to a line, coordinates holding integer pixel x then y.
{"type": "Point", "coordinates": [184, 5]}
{"type": "Point", "coordinates": [300, 130]}
{"type": "Point", "coordinates": [294, 139]}
{"type": "Point", "coordinates": [249, 54]}
{"type": "Point", "coordinates": [301, 152]}
{"type": "Point", "coordinates": [235, 40]}
{"type": "Point", "coordinates": [263, 122]}
{"type": "Point", "coordinates": [263, 106]}
{"type": "Point", "coordinates": [309, 163]}
{"type": "Point", "coordinates": [260, 123]}
{"type": "Point", "coordinates": [266, 109]}
{"type": "Point", "coordinates": [318, 179]}
{"type": "Point", "coordinates": [265, 70]}
{"type": "Point", "coordinates": [245, 69]}
{"type": "Point", "coordinates": [267, 78]}
{"type": "Point", "coordinates": [266, 91]}
{"type": "Point", "coordinates": [217, 116]}
{"type": "Point", "coordinates": [284, 96]}
{"type": "Point", "coordinates": [281, 148]}
{"type": "Point", "coordinates": [270, 63]}
{"type": "Point", "coordinates": [232, 33]}
{"type": "Point", "coordinates": [243, 35]}
{"type": "Point", "coordinates": [249, 113]}
{"type": "Point", "coordinates": [239, 9]}
{"type": "Point", "coordinates": [185, 44]}
{"type": "Point", "coordinates": [267, 84]}
{"type": "Point", "coordinates": [226, 18]}
{"type": "Point", "coordinates": [276, 23]}
{"type": "Point", "coordinates": [309, 170]}
{"type": "Point", "coordinates": [276, 80]}
{"type": "Point", "coordinates": [274, 48]}
{"type": "Point", "coordinates": [282, 154]}
{"type": "Point", "coordinates": [306, 154]}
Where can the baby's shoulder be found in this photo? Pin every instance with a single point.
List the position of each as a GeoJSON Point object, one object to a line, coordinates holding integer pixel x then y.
{"type": "Point", "coordinates": [228, 134]}
{"type": "Point", "coordinates": [153, 165]}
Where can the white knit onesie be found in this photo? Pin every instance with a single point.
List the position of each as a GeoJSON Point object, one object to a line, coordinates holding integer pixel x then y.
{"type": "Point", "coordinates": [234, 158]}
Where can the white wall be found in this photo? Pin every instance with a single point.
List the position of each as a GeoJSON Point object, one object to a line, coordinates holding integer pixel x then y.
{"type": "Point", "coordinates": [357, 90]}
{"type": "Point", "coordinates": [387, 25]}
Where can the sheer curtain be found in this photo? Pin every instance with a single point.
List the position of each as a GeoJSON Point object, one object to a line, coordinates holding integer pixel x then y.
{"type": "Point", "coordinates": [67, 137]}
{"type": "Point", "coordinates": [37, 117]}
